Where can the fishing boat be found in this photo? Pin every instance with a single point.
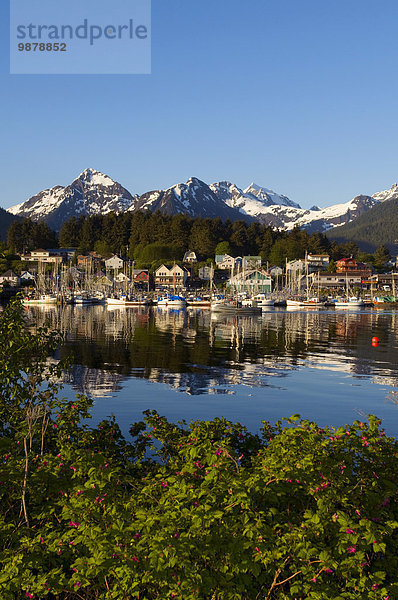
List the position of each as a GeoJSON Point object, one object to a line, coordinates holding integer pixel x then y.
{"type": "Point", "coordinates": [42, 299]}
{"type": "Point", "coordinates": [263, 301]}
{"type": "Point", "coordinates": [349, 301]}
{"type": "Point", "coordinates": [314, 302]}
{"type": "Point", "coordinates": [116, 301]}
{"type": "Point", "coordinates": [83, 298]}
{"type": "Point", "coordinates": [295, 302]}
{"type": "Point", "coordinates": [352, 302]}
{"type": "Point", "coordinates": [306, 301]}
{"type": "Point", "coordinates": [233, 307]}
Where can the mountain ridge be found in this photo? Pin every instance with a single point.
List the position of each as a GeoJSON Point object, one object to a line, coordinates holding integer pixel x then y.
{"type": "Point", "coordinates": [93, 192]}
{"type": "Point", "coordinates": [375, 227]}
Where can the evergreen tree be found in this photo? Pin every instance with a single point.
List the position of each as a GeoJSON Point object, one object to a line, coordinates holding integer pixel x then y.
{"type": "Point", "coordinates": [239, 240]}
{"type": "Point", "coordinates": [70, 233]}
{"type": "Point", "coordinates": [267, 241]}
{"type": "Point", "coordinates": [223, 248]}
{"type": "Point", "coordinates": [179, 231]}
{"type": "Point", "coordinates": [278, 253]}
{"type": "Point", "coordinates": [27, 235]}
{"type": "Point", "coordinates": [202, 239]}
{"type": "Point", "coordinates": [382, 256]}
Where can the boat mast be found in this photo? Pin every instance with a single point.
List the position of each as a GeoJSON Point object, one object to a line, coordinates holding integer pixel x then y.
{"type": "Point", "coordinates": [306, 276]}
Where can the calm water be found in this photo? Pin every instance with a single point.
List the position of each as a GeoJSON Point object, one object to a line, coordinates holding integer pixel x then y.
{"type": "Point", "coordinates": [189, 365]}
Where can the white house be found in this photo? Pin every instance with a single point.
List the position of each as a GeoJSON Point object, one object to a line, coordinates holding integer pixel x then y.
{"type": "Point", "coordinates": [122, 278]}
{"type": "Point", "coordinates": [10, 278]}
{"type": "Point", "coordinates": [42, 255]}
{"type": "Point", "coordinates": [317, 262]}
{"type": "Point", "coordinates": [225, 261]}
{"type": "Point", "coordinates": [171, 276]}
{"type": "Point", "coordinates": [115, 262]}
{"type": "Point", "coordinates": [296, 266]}
{"type": "Point", "coordinates": [190, 257]}
{"type": "Point", "coordinates": [27, 276]}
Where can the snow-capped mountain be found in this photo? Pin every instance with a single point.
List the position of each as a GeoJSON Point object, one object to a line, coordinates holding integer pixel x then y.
{"type": "Point", "coordinates": [193, 198]}
{"type": "Point", "coordinates": [90, 193]}
{"type": "Point", "coordinates": [95, 193]}
{"type": "Point", "coordinates": [279, 211]}
{"type": "Point", "coordinates": [391, 194]}
{"type": "Point", "coordinates": [268, 196]}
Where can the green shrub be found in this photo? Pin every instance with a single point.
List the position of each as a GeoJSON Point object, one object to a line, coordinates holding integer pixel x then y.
{"type": "Point", "coordinates": [200, 511]}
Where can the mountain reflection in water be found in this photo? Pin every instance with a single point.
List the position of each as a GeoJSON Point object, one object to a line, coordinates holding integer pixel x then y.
{"type": "Point", "coordinates": [190, 351]}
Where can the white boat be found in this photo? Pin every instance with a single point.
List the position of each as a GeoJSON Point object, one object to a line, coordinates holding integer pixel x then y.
{"type": "Point", "coordinates": [171, 301]}
{"type": "Point", "coordinates": [310, 303]}
{"type": "Point", "coordinates": [121, 301]}
{"type": "Point", "coordinates": [352, 302]}
{"type": "Point", "coordinates": [263, 301]}
{"type": "Point", "coordinates": [234, 307]}
{"type": "Point", "coordinates": [294, 303]}
{"type": "Point", "coordinates": [42, 299]}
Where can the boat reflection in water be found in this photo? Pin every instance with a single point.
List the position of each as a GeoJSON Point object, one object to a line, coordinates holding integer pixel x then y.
{"type": "Point", "coordinates": [272, 364]}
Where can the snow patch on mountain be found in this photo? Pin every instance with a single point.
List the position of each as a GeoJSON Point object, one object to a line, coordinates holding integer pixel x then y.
{"type": "Point", "coordinates": [90, 193]}
{"type": "Point", "coordinates": [269, 197]}
{"type": "Point", "coordinates": [93, 192]}
{"type": "Point", "coordinates": [391, 194]}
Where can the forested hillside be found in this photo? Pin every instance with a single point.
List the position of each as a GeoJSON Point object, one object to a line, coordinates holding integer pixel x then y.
{"type": "Point", "coordinates": [150, 237]}
{"type": "Point", "coordinates": [5, 221]}
{"type": "Point", "coordinates": [377, 226]}
{"type": "Point", "coordinates": [147, 236]}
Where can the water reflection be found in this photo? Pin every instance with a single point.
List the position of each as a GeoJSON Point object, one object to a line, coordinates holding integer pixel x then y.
{"type": "Point", "coordinates": [194, 352]}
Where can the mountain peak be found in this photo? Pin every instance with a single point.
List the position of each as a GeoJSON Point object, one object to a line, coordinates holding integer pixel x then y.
{"type": "Point", "coordinates": [94, 177]}
{"type": "Point", "coordinates": [269, 197]}
{"type": "Point", "coordinates": [195, 181]}
{"type": "Point", "coordinates": [93, 192]}
{"type": "Point", "coordinates": [385, 195]}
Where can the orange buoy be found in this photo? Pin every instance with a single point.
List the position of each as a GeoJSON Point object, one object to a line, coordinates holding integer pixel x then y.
{"type": "Point", "coordinates": [375, 340]}
{"type": "Point", "coordinates": [375, 344]}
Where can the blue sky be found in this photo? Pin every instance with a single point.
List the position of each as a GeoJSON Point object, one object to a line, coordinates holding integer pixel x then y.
{"type": "Point", "coordinates": [300, 97]}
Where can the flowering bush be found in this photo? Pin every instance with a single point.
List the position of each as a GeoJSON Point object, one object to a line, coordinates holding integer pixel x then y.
{"type": "Point", "coordinates": [195, 511]}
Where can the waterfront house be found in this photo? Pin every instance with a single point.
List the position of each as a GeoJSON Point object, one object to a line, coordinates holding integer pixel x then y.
{"type": "Point", "coordinates": [204, 273]}
{"type": "Point", "coordinates": [104, 281]}
{"type": "Point", "coordinates": [251, 262]}
{"type": "Point", "coordinates": [122, 278]}
{"type": "Point", "coordinates": [10, 277]}
{"type": "Point", "coordinates": [141, 276]}
{"type": "Point", "coordinates": [349, 265]}
{"type": "Point", "coordinates": [383, 281]}
{"type": "Point", "coordinates": [43, 256]}
{"type": "Point", "coordinates": [318, 262]}
{"type": "Point", "coordinates": [225, 261]}
{"type": "Point", "coordinates": [251, 282]}
{"type": "Point", "coordinates": [86, 261]}
{"type": "Point", "coordinates": [295, 266]}
{"type": "Point", "coordinates": [27, 276]}
{"type": "Point", "coordinates": [115, 262]}
{"type": "Point", "coordinates": [338, 281]}
{"type": "Point", "coordinates": [170, 276]}
{"type": "Point", "coordinates": [190, 257]}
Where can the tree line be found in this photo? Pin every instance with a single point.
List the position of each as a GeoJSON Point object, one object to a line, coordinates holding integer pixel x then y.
{"type": "Point", "coordinates": [148, 237]}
